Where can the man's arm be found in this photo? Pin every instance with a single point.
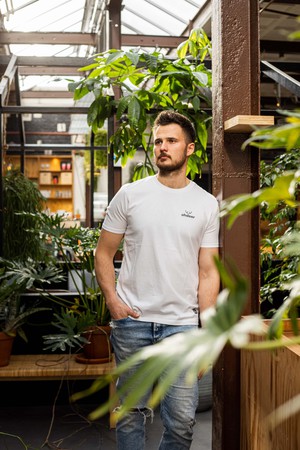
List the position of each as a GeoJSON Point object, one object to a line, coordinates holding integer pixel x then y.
{"type": "Point", "coordinates": [106, 249]}
{"type": "Point", "coordinates": [209, 279]}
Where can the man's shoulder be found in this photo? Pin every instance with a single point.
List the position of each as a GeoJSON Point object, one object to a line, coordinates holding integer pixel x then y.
{"type": "Point", "coordinates": [204, 193]}
{"type": "Point", "coordinates": [137, 185]}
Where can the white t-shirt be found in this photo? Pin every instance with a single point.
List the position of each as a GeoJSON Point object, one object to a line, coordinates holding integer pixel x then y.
{"type": "Point", "coordinates": [164, 229]}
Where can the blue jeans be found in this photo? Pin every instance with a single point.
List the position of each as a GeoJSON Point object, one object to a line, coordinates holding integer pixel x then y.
{"type": "Point", "coordinates": [177, 408]}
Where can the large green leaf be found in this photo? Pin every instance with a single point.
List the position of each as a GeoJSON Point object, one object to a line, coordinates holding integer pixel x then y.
{"type": "Point", "coordinates": [134, 110]}
{"type": "Point", "coordinates": [283, 190]}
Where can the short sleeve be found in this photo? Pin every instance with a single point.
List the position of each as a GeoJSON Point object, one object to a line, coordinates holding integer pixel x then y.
{"type": "Point", "coordinates": [211, 235]}
{"type": "Point", "coordinates": [116, 215]}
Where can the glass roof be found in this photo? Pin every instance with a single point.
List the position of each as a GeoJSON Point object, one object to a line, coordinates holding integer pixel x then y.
{"type": "Point", "coordinates": [143, 17]}
{"type": "Point", "coordinates": [151, 17]}
{"type": "Point", "coordinates": [157, 17]}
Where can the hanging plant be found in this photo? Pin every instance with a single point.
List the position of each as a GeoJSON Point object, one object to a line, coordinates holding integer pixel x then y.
{"type": "Point", "coordinates": [149, 82]}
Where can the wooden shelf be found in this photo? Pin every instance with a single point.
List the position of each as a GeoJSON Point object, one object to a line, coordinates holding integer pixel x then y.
{"type": "Point", "coordinates": [247, 124]}
{"type": "Point", "coordinates": [51, 367]}
{"type": "Point", "coordinates": [58, 198]}
{"type": "Point", "coordinates": [56, 367]}
{"type": "Point", "coordinates": [43, 169]}
{"type": "Point", "coordinates": [55, 184]}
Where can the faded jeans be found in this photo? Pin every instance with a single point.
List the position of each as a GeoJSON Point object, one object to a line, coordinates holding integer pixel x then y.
{"type": "Point", "coordinates": [177, 408]}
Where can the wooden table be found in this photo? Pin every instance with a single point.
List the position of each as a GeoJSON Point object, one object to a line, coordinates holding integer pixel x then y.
{"type": "Point", "coordinates": [55, 367]}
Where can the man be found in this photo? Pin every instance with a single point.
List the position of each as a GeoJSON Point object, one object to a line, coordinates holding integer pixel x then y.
{"type": "Point", "coordinates": [170, 230]}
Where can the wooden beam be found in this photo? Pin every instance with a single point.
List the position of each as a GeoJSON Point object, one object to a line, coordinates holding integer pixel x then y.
{"type": "Point", "coordinates": [236, 80]}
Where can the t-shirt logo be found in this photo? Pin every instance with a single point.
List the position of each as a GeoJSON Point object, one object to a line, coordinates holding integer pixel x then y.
{"type": "Point", "coordinates": [188, 214]}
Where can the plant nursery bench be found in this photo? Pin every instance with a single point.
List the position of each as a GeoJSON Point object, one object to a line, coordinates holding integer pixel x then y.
{"type": "Point", "coordinates": [55, 367]}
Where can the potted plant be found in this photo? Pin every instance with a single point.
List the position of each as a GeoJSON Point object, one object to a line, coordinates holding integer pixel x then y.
{"type": "Point", "coordinates": [83, 315]}
{"type": "Point", "coordinates": [17, 277]}
{"type": "Point", "coordinates": [26, 263]}
{"type": "Point", "coordinates": [82, 324]}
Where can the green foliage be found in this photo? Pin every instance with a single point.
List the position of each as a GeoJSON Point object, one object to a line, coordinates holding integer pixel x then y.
{"type": "Point", "coordinates": [16, 277]}
{"type": "Point", "coordinates": [75, 246]}
{"type": "Point", "coordinates": [278, 199]}
{"type": "Point", "coordinates": [69, 326]}
{"type": "Point", "coordinates": [278, 267]}
{"type": "Point", "coordinates": [148, 82]}
{"type": "Point", "coordinates": [21, 231]}
{"type": "Point", "coordinates": [286, 136]}
{"type": "Point", "coordinates": [283, 190]}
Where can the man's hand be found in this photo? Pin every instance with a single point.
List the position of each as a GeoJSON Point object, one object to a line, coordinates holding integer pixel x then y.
{"type": "Point", "coordinates": [119, 310]}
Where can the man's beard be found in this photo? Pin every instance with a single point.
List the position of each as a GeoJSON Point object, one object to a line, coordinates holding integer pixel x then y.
{"type": "Point", "coordinates": [166, 169]}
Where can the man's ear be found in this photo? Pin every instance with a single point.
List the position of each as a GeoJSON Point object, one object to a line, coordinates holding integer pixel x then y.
{"type": "Point", "coordinates": [190, 149]}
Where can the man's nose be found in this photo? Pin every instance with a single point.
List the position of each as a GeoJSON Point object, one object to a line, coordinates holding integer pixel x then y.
{"type": "Point", "coordinates": [164, 146]}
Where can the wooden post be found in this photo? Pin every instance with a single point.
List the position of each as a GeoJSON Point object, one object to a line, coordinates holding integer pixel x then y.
{"type": "Point", "coordinates": [115, 42]}
{"type": "Point", "coordinates": [235, 66]}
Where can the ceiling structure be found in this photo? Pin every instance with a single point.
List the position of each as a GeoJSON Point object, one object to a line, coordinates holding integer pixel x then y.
{"type": "Point", "coordinates": [52, 40]}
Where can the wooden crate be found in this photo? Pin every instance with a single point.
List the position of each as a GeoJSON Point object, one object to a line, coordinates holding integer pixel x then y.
{"type": "Point", "coordinates": [45, 178]}
{"type": "Point", "coordinates": [66, 178]}
{"type": "Point", "coordinates": [269, 379]}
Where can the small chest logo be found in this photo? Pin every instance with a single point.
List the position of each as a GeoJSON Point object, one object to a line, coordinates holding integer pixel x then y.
{"type": "Point", "coordinates": [188, 214]}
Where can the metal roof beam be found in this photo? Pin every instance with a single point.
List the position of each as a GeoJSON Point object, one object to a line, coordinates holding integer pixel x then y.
{"type": "Point", "coordinates": [283, 2]}
{"type": "Point", "coordinates": [66, 38]}
{"type": "Point", "coordinates": [147, 19]}
{"type": "Point", "coordinates": [281, 78]}
{"type": "Point", "coordinates": [44, 109]}
{"type": "Point", "coordinates": [129, 40]}
{"type": "Point", "coordinates": [46, 94]}
{"type": "Point", "coordinates": [45, 61]}
{"type": "Point", "coordinates": [280, 47]}
{"type": "Point", "coordinates": [135, 40]}
{"type": "Point", "coordinates": [167, 11]}
{"type": "Point", "coordinates": [7, 78]}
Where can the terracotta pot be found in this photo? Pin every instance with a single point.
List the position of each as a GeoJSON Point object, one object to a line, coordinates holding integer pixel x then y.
{"type": "Point", "coordinates": [6, 343]}
{"type": "Point", "coordinates": [99, 348]}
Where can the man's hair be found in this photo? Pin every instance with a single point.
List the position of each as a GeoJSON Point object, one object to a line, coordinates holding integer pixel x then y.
{"type": "Point", "coordinates": [168, 117]}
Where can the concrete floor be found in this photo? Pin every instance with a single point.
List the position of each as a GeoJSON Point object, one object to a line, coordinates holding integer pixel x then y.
{"type": "Point", "coordinates": [26, 413]}
{"type": "Point", "coordinates": [71, 431]}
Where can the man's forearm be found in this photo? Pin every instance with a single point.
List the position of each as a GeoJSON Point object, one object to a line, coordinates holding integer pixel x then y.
{"type": "Point", "coordinates": [105, 275]}
{"type": "Point", "coordinates": [208, 291]}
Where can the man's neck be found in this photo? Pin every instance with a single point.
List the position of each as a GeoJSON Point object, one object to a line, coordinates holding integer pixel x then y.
{"type": "Point", "coordinates": [172, 180]}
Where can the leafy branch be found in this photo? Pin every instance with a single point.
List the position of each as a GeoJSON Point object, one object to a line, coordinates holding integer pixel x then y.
{"type": "Point", "coordinates": [149, 82]}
